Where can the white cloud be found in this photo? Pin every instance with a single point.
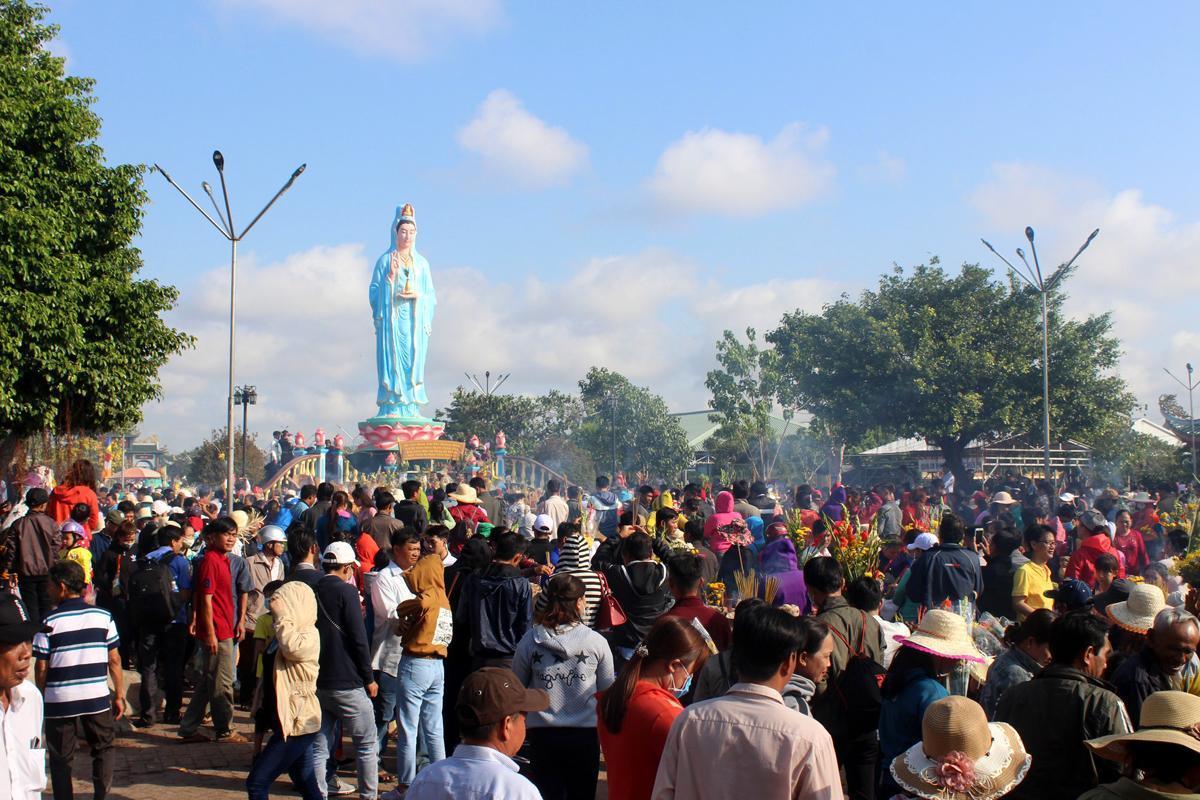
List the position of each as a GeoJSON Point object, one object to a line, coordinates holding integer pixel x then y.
{"type": "Point", "coordinates": [57, 47]}
{"type": "Point", "coordinates": [886, 168]}
{"type": "Point", "coordinates": [739, 174]}
{"type": "Point", "coordinates": [403, 30]}
{"type": "Point", "coordinates": [519, 146]}
{"type": "Point", "coordinates": [1141, 266]}
{"type": "Point", "coordinates": [311, 354]}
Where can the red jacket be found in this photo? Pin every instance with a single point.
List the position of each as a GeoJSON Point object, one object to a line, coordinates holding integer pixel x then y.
{"type": "Point", "coordinates": [1083, 561]}
{"type": "Point", "coordinates": [64, 498]}
{"type": "Point", "coordinates": [632, 755]}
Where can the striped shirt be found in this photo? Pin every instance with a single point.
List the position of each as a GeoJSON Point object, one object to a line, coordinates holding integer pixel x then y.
{"type": "Point", "coordinates": [77, 649]}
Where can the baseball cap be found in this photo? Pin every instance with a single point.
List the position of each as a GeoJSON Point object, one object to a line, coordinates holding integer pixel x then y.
{"type": "Point", "coordinates": [1117, 592]}
{"type": "Point", "coordinates": [543, 523]}
{"type": "Point", "coordinates": [924, 541]}
{"type": "Point", "coordinates": [37, 496]}
{"type": "Point", "coordinates": [1073, 594]}
{"type": "Point", "coordinates": [272, 533]}
{"type": "Point", "coordinates": [338, 554]}
{"type": "Point", "coordinates": [490, 694]}
{"type": "Point", "coordinates": [144, 512]}
{"type": "Point", "coordinates": [116, 516]}
{"type": "Point", "coordinates": [1093, 520]}
{"type": "Point", "coordinates": [15, 623]}
{"type": "Point", "coordinates": [160, 508]}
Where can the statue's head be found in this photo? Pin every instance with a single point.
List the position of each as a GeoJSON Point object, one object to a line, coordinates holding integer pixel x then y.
{"type": "Point", "coordinates": [406, 228]}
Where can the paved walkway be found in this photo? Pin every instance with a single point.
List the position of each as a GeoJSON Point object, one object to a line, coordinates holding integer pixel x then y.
{"type": "Point", "coordinates": [151, 764]}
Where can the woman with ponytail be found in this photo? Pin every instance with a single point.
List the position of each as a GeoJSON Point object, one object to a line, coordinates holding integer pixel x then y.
{"type": "Point", "coordinates": [637, 711]}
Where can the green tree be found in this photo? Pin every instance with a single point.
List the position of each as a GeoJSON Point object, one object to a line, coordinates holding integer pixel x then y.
{"type": "Point", "coordinates": [948, 358]}
{"type": "Point", "coordinates": [81, 338]}
{"type": "Point", "coordinates": [648, 439]}
{"type": "Point", "coordinates": [527, 421]}
{"type": "Point", "coordinates": [1124, 457]}
{"type": "Point", "coordinates": [744, 393]}
{"type": "Point", "coordinates": [206, 463]}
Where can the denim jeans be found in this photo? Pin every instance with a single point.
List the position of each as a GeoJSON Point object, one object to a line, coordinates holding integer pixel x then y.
{"type": "Point", "coordinates": [421, 683]}
{"type": "Point", "coordinates": [294, 756]}
{"type": "Point", "coordinates": [351, 707]}
{"type": "Point", "coordinates": [386, 704]}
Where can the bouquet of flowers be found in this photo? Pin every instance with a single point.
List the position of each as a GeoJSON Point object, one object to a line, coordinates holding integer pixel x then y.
{"type": "Point", "coordinates": [856, 548]}
{"type": "Point", "coordinates": [1189, 568]}
{"type": "Point", "coordinates": [714, 594]}
{"type": "Point", "coordinates": [1185, 516]}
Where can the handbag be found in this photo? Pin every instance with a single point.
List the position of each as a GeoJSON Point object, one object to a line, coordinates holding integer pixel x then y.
{"type": "Point", "coordinates": [609, 614]}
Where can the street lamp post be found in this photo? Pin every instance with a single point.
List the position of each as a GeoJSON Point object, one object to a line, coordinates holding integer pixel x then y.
{"type": "Point", "coordinates": [1191, 387]}
{"type": "Point", "coordinates": [1043, 286]}
{"type": "Point", "coordinates": [226, 229]}
{"type": "Point", "coordinates": [488, 390]}
{"type": "Point", "coordinates": [244, 396]}
{"type": "Point", "coordinates": [611, 397]}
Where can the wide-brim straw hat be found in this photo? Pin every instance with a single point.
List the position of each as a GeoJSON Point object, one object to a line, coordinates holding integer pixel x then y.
{"type": "Point", "coordinates": [961, 756]}
{"type": "Point", "coordinates": [944, 634]}
{"type": "Point", "coordinates": [1167, 718]}
{"type": "Point", "coordinates": [1138, 612]}
{"type": "Point", "coordinates": [1003, 499]}
{"type": "Point", "coordinates": [465, 493]}
{"type": "Point", "coordinates": [1140, 497]}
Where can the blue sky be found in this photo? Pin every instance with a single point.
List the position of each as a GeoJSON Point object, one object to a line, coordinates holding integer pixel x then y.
{"type": "Point", "coordinates": [616, 183]}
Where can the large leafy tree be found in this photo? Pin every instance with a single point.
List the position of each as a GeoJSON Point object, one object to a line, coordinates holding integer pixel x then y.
{"type": "Point", "coordinates": [206, 462]}
{"type": "Point", "coordinates": [647, 438]}
{"type": "Point", "coordinates": [527, 421]}
{"type": "Point", "coordinates": [948, 358]}
{"type": "Point", "coordinates": [744, 391]}
{"type": "Point", "coordinates": [81, 337]}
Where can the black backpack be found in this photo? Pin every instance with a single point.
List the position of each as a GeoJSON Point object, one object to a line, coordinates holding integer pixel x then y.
{"type": "Point", "coordinates": [153, 603]}
{"type": "Point", "coordinates": [857, 691]}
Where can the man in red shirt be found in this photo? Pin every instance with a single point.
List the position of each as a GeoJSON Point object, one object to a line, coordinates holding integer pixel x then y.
{"type": "Point", "coordinates": [214, 627]}
{"type": "Point", "coordinates": [684, 573]}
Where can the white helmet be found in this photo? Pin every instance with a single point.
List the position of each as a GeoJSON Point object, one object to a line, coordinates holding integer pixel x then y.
{"type": "Point", "coordinates": [272, 533]}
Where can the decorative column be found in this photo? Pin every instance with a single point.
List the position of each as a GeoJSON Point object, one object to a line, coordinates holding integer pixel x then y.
{"type": "Point", "coordinates": [321, 450]}
{"type": "Point", "coordinates": [339, 446]}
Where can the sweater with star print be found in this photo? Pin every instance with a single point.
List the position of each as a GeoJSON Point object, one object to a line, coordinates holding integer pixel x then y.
{"type": "Point", "coordinates": [572, 664]}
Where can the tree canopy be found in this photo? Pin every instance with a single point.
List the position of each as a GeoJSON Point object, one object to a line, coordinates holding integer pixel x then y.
{"type": "Point", "coordinates": [527, 421]}
{"type": "Point", "coordinates": [648, 439]}
{"type": "Point", "coordinates": [81, 337]}
{"type": "Point", "coordinates": [744, 395]}
{"type": "Point", "coordinates": [206, 462]}
{"type": "Point", "coordinates": [948, 358]}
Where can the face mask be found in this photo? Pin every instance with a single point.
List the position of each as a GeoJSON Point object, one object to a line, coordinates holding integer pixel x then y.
{"type": "Point", "coordinates": [682, 690]}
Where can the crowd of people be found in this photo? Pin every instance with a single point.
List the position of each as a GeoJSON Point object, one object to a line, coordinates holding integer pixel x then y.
{"type": "Point", "coordinates": [1014, 639]}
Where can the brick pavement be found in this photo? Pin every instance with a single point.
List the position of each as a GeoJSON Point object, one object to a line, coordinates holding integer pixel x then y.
{"type": "Point", "coordinates": [151, 764]}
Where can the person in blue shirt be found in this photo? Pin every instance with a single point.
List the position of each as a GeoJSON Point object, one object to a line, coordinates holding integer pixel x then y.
{"type": "Point", "coordinates": [916, 680]}
{"type": "Point", "coordinates": [161, 653]}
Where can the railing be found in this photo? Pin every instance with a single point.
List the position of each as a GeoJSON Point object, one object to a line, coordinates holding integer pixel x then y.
{"type": "Point", "coordinates": [305, 466]}
{"type": "Point", "coordinates": [526, 474]}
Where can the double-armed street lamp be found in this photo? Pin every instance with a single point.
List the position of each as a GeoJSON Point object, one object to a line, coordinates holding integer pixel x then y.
{"type": "Point", "coordinates": [225, 228]}
{"type": "Point", "coordinates": [1043, 286]}
{"type": "Point", "coordinates": [1190, 385]}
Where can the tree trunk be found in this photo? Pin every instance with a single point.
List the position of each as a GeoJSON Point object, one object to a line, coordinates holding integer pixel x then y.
{"type": "Point", "coordinates": [952, 452]}
{"type": "Point", "coordinates": [838, 452]}
{"type": "Point", "coordinates": [12, 457]}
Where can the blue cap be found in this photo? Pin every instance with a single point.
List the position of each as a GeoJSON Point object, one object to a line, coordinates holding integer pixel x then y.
{"type": "Point", "coordinates": [1072, 594]}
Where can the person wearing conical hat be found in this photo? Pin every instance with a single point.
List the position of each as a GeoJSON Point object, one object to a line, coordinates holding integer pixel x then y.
{"type": "Point", "coordinates": [1162, 760]}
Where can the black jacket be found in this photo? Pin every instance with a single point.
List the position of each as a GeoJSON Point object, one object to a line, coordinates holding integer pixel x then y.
{"type": "Point", "coordinates": [1054, 713]}
{"type": "Point", "coordinates": [345, 661]}
{"type": "Point", "coordinates": [412, 514]}
{"type": "Point", "coordinates": [1138, 677]}
{"type": "Point", "coordinates": [641, 589]}
{"type": "Point", "coordinates": [497, 606]}
{"type": "Point", "coordinates": [947, 572]}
